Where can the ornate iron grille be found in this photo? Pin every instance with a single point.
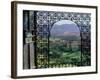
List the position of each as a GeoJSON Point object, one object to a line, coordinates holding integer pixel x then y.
{"type": "Point", "coordinates": [40, 24]}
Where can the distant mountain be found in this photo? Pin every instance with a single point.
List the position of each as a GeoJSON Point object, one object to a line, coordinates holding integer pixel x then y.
{"type": "Point", "coordinates": [71, 34]}
{"type": "Point", "coordinates": [65, 30]}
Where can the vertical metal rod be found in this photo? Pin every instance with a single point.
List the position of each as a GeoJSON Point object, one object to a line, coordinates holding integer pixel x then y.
{"type": "Point", "coordinates": [23, 37]}
{"type": "Point", "coordinates": [80, 28]}
{"type": "Point", "coordinates": [48, 44]}
{"type": "Point", "coordinates": [81, 46]}
{"type": "Point", "coordinates": [28, 27]}
{"type": "Point", "coordinates": [29, 56]}
{"type": "Point", "coordinates": [35, 38]}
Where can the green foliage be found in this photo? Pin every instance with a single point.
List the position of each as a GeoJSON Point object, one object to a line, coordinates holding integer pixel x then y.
{"type": "Point", "coordinates": [59, 53]}
{"type": "Point", "coordinates": [63, 54]}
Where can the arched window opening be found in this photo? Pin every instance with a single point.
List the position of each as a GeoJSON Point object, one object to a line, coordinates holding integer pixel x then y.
{"type": "Point", "coordinates": [65, 41]}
